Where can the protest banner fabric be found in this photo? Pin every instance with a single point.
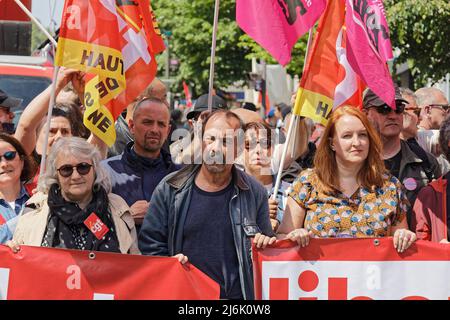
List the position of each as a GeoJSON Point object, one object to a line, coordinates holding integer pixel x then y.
{"type": "Point", "coordinates": [187, 94]}
{"type": "Point", "coordinates": [369, 46]}
{"type": "Point", "coordinates": [328, 80]}
{"type": "Point", "coordinates": [276, 25]}
{"type": "Point", "coordinates": [58, 274]}
{"type": "Point", "coordinates": [352, 269]}
{"type": "Point", "coordinates": [114, 42]}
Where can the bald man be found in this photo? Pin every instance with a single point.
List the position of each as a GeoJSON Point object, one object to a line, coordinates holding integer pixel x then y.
{"type": "Point", "coordinates": [434, 107]}
{"type": "Point", "coordinates": [156, 89]}
{"type": "Point", "coordinates": [144, 163]}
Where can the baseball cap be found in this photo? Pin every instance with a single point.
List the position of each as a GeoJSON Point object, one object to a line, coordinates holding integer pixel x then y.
{"type": "Point", "coordinates": [202, 105]}
{"type": "Point", "coordinates": [372, 100]}
{"type": "Point", "coordinates": [9, 102]}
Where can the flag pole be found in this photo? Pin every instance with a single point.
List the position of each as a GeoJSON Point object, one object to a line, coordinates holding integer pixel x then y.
{"type": "Point", "coordinates": [36, 22]}
{"type": "Point", "coordinates": [213, 55]}
{"type": "Point", "coordinates": [53, 85]}
{"type": "Point", "coordinates": [292, 124]}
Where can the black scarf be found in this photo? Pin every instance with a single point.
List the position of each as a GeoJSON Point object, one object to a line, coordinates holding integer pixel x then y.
{"type": "Point", "coordinates": [66, 229]}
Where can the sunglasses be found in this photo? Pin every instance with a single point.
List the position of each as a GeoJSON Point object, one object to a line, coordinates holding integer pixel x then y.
{"type": "Point", "coordinates": [67, 170]}
{"type": "Point", "coordinates": [444, 107]}
{"type": "Point", "coordinates": [9, 155]}
{"type": "Point", "coordinates": [264, 143]}
{"type": "Point", "coordinates": [385, 109]}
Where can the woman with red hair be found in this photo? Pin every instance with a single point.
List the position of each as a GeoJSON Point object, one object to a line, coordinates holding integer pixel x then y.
{"type": "Point", "coordinates": [349, 193]}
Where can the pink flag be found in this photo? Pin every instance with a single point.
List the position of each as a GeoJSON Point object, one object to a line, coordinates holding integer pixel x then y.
{"type": "Point", "coordinates": [369, 47]}
{"type": "Point", "coordinates": [277, 24]}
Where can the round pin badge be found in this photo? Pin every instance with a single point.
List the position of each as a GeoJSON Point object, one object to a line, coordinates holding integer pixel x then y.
{"type": "Point", "coordinates": [410, 184]}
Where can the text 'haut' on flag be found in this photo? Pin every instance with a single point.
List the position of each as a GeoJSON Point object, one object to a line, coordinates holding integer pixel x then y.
{"type": "Point", "coordinates": [114, 43]}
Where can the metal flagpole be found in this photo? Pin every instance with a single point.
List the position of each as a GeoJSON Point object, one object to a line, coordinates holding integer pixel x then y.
{"type": "Point", "coordinates": [36, 22]}
{"type": "Point", "coordinates": [213, 55]}
{"type": "Point", "coordinates": [291, 126]}
{"type": "Point", "coordinates": [53, 88]}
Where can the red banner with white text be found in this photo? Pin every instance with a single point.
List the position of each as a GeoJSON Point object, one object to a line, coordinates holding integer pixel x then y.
{"type": "Point", "coordinates": [56, 274]}
{"type": "Point", "coordinates": [352, 269]}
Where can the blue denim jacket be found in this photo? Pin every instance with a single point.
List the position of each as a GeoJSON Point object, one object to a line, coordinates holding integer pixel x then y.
{"type": "Point", "coordinates": [11, 216]}
{"type": "Point", "coordinates": [162, 230]}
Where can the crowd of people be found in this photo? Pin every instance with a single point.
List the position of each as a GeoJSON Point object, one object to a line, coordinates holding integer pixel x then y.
{"type": "Point", "coordinates": [199, 185]}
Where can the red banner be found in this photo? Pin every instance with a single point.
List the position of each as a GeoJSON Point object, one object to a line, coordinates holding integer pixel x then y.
{"type": "Point", "coordinates": [352, 269]}
{"type": "Point", "coordinates": [57, 274]}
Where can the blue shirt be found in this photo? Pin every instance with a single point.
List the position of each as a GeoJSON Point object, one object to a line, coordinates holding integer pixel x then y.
{"type": "Point", "coordinates": [10, 216]}
{"type": "Point", "coordinates": [208, 239]}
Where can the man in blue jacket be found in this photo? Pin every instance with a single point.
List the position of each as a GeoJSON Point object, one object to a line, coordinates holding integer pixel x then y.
{"type": "Point", "coordinates": [144, 163]}
{"type": "Point", "coordinates": [208, 213]}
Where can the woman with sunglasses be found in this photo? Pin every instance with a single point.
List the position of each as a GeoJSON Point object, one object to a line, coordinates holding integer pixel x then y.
{"type": "Point", "coordinates": [16, 168]}
{"type": "Point", "coordinates": [348, 194]}
{"type": "Point", "coordinates": [74, 208]}
{"type": "Point", "coordinates": [258, 150]}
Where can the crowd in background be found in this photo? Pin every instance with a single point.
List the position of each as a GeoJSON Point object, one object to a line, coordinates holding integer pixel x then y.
{"type": "Point", "coordinates": [199, 185]}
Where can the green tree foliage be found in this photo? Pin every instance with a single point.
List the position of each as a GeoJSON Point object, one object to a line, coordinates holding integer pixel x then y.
{"type": "Point", "coordinates": [191, 23]}
{"type": "Point", "coordinates": [421, 30]}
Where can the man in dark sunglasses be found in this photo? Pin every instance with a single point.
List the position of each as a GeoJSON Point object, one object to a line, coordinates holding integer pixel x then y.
{"type": "Point", "coordinates": [413, 166]}
{"type": "Point", "coordinates": [434, 106]}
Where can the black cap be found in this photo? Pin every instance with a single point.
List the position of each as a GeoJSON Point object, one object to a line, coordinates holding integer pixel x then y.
{"type": "Point", "coordinates": [202, 105]}
{"type": "Point", "coordinates": [9, 102]}
{"type": "Point", "coordinates": [372, 100]}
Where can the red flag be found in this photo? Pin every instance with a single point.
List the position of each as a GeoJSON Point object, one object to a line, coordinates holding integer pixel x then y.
{"type": "Point", "coordinates": [187, 95]}
{"type": "Point", "coordinates": [115, 45]}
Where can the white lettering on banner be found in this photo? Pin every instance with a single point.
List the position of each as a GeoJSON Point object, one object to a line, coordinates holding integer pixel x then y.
{"type": "Point", "coordinates": [4, 283]}
{"type": "Point", "coordinates": [103, 296]}
{"type": "Point", "coordinates": [343, 280]}
{"type": "Point", "coordinates": [74, 20]}
{"type": "Point", "coordinates": [74, 280]}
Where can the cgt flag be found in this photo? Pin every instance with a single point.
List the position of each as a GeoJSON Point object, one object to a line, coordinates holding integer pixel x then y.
{"type": "Point", "coordinates": [328, 81]}
{"type": "Point", "coordinates": [114, 42]}
{"type": "Point", "coordinates": [277, 24]}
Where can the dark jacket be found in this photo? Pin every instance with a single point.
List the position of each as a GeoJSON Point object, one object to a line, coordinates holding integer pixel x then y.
{"type": "Point", "coordinates": [430, 212]}
{"type": "Point", "coordinates": [129, 173]}
{"type": "Point", "coordinates": [412, 166]}
{"type": "Point", "coordinates": [162, 230]}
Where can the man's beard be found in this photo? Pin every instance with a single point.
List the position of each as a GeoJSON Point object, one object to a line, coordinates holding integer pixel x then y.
{"type": "Point", "coordinates": [215, 168]}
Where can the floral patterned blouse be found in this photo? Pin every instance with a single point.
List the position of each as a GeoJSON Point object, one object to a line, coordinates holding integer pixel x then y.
{"type": "Point", "coordinates": [365, 214]}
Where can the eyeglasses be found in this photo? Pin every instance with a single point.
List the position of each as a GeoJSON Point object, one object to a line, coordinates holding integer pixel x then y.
{"type": "Point", "coordinates": [9, 155]}
{"type": "Point", "coordinates": [416, 110]}
{"type": "Point", "coordinates": [444, 107]}
{"type": "Point", "coordinates": [264, 143]}
{"type": "Point", "coordinates": [67, 170]}
{"type": "Point", "coordinates": [385, 109]}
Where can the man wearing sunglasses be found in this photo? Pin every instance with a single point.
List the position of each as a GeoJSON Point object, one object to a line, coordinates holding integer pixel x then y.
{"type": "Point", "coordinates": [401, 159]}
{"type": "Point", "coordinates": [434, 108]}
{"type": "Point", "coordinates": [7, 106]}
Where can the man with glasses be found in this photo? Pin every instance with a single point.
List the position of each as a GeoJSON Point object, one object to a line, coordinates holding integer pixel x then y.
{"type": "Point", "coordinates": [401, 159]}
{"type": "Point", "coordinates": [7, 105]}
{"type": "Point", "coordinates": [434, 107]}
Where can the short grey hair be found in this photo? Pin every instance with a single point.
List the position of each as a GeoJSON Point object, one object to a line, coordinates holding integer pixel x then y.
{"type": "Point", "coordinates": [79, 148]}
{"type": "Point", "coordinates": [426, 96]}
{"type": "Point", "coordinates": [408, 93]}
{"type": "Point", "coordinates": [444, 138]}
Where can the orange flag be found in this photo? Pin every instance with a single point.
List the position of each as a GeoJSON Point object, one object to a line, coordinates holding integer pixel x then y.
{"type": "Point", "coordinates": [115, 43]}
{"type": "Point", "coordinates": [328, 81]}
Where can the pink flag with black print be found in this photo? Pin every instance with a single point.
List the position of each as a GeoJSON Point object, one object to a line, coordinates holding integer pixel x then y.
{"type": "Point", "coordinates": [369, 46]}
{"type": "Point", "coordinates": [276, 25]}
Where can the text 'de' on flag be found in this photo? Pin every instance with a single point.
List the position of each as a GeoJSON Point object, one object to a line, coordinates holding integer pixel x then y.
{"type": "Point", "coordinates": [114, 42]}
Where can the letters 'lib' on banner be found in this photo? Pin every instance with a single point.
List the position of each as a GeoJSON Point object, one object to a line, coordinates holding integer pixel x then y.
{"type": "Point", "coordinates": [344, 269]}
{"type": "Point", "coordinates": [56, 274]}
{"type": "Point", "coordinates": [115, 43]}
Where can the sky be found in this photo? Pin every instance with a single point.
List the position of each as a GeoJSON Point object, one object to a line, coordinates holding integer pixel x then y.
{"type": "Point", "coordinates": [42, 10]}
